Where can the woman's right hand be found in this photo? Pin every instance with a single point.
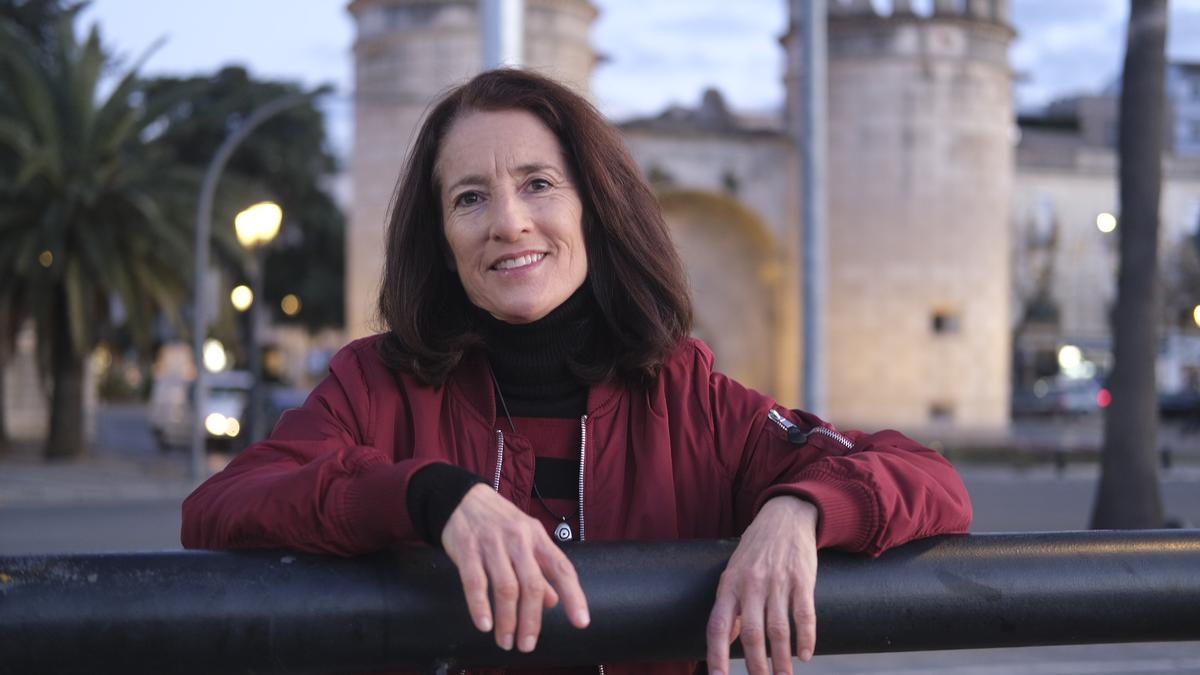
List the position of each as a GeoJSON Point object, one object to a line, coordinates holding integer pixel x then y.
{"type": "Point", "coordinates": [495, 546]}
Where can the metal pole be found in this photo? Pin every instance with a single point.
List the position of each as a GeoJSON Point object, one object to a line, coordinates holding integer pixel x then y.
{"type": "Point", "coordinates": [253, 431]}
{"type": "Point", "coordinates": [503, 33]}
{"type": "Point", "coordinates": [403, 610]}
{"type": "Point", "coordinates": [813, 146]}
{"type": "Point", "coordinates": [208, 191]}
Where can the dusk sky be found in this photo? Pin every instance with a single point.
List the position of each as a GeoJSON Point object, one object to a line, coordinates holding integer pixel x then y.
{"type": "Point", "coordinates": [658, 53]}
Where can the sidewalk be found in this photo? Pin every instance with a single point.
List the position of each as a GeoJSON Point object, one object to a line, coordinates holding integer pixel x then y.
{"type": "Point", "coordinates": [25, 478]}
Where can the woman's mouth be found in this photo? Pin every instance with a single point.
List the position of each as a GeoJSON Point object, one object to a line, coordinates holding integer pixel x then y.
{"type": "Point", "coordinates": [519, 261]}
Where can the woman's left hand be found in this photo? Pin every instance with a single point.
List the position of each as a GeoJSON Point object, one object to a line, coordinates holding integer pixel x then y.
{"type": "Point", "coordinates": [769, 580]}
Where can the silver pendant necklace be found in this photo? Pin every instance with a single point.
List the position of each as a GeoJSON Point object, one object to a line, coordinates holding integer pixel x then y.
{"type": "Point", "coordinates": [562, 532]}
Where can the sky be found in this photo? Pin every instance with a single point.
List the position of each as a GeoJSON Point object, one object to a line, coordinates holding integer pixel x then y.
{"type": "Point", "coordinates": [658, 52]}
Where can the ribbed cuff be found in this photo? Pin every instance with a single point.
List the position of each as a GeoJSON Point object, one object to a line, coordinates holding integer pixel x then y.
{"type": "Point", "coordinates": [433, 493]}
{"type": "Point", "coordinates": [848, 513]}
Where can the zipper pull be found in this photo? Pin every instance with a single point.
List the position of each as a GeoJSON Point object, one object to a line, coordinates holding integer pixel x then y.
{"type": "Point", "coordinates": [794, 435]}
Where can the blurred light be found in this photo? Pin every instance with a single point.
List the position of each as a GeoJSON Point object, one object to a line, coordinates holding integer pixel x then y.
{"type": "Point", "coordinates": [1069, 357]}
{"type": "Point", "coordinates": [46, 258]}
{"type": "Point", "coordinates": [215, 359]}
{"type": "Point", "coordinates": [215, 424]}
{"type": "Point", "coordinates": [274, 362]}
{"type": "Point", "coordinates": [1103, 398]}
{"type": "Point", "coordinates": [1196, 314]}
{"type": "Point", "coordinates": [1106, 222]}
{"type": "Point", "coordinates": [257, 225]}
{"type": "Point", "coordinates": [242, 297]}
{"type": "Point", "coordinates": [102, 359]}
{"type": "Point", "coordinates": [1041, 388]}
{"type": "Point", "coordinates": [232, 427]}
{"type": "Point", "coordinates": [290, 305]}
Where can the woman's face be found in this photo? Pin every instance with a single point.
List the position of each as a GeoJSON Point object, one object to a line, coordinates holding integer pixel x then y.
{"type": "Point", "coordinates": [511, 214]}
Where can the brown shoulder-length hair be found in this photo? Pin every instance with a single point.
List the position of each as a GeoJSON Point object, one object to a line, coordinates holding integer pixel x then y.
{"type": "Point", "coordinates": [634, 272]}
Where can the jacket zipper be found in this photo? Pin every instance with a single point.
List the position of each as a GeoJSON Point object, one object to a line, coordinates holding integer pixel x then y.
{"type": "Point", "coordinates": [582, 464]}
{"type": "Point", "coordinates": [499, 459]}
{"type": "Point", "coordinates": [798, 437]}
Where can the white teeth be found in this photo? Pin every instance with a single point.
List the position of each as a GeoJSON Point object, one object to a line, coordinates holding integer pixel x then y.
{"type": "Point", "coordinates": [513, 263]}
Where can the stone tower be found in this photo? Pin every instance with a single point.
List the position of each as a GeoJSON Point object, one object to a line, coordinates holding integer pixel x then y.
{"type": "Point", "coordinates": [406, 53]}
{"type": "Point", "coordinates": [920, 172]}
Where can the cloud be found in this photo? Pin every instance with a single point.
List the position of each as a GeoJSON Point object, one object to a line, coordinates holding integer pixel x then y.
{"type": "Point", "coordinates": [669, 51]}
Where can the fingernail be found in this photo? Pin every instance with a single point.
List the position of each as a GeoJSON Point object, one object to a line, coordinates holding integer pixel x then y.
{"type": "Point", "coordinates": [485, 624]}
{"type": "Point", "coordinates": [582, 618]}
{"type": "Point", "coordinates": [806, 655]}
{"type": "Point", "coordinates": [528, 643]}
{"type": "Point", "coordinates": [506, 642]}
{"type": "Point", "coordinates": [716, 672]}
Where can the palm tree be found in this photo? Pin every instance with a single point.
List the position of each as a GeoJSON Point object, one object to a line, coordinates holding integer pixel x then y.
{"type": "Point", "coordinates": [1128, 495]}
{"type": "Point", "coordinates": [88, 239]}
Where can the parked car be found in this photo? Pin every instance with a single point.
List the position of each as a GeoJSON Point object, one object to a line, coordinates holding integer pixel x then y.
{"type": "Point", "coordinates": [1064, 397]}
{"type": "Point", "coordinates": [172, 405]}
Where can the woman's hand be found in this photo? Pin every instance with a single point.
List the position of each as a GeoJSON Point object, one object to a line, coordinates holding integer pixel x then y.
{"type": "Point", "coordinates": [769, 579]}
{"type": "Point", "coordinates": [496, 546]}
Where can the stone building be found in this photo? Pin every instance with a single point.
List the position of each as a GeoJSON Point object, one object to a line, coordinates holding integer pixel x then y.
{"type": "Point", "coordinates": [1064, 262]}
{"type": "Point", "coordinates": [920, 180]}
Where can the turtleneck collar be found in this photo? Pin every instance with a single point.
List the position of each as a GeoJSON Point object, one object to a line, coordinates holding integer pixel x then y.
{"type": "Point", "coordinates": [532, 360]}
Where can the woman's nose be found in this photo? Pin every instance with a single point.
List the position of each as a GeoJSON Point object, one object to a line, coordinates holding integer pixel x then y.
{"type": "Point", "coordinates": [509, 217]}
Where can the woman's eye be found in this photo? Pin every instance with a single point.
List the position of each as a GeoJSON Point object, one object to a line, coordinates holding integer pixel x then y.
{"type": "Point", "coordinates": [467, 199]}
{"type": "Point", "coordinates": [539, 184]}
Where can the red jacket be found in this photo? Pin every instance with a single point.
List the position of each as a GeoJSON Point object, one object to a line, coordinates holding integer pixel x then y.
{"type": "Point", "coordinates": [692, 457]}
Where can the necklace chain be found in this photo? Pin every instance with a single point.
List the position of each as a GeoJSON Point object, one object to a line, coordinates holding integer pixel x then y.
{"type": "Point", "coordinates": [563, 532]}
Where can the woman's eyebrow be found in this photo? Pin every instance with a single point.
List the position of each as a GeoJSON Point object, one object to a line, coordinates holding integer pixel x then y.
{"type": "Point", "coordinates": [473, 179]}
{"type": "Point", "coordinates": [534, 167]}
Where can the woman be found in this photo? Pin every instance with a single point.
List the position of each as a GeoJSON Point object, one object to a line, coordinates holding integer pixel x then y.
{"type": "Point", "coordinates": [536, 383]}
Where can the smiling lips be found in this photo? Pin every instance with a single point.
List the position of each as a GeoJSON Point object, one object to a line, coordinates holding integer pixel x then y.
{"type": "Point", "coordinates": [519, 261]}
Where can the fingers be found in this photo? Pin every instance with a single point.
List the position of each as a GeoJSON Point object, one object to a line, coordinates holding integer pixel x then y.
{"type": "Point", "coordinates": [804, 613]}
{"type": "Point", "coordinates": [721, 631]}
{"type": "Point", "coordinates": [561, 573]}
{"type": "Point", "coordinates": [475, 588]}
{"type": "Point", "coordinates": [779, 633]}
{"type": "Point", "coordinates": [533, 588]}
{"type": "Point", "coordinates": [506, 590]}
{"type": "Point", "coordinates": [754, 635]}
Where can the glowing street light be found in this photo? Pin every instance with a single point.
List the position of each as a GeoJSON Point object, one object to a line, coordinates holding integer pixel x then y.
{"type": "Point", "coordinates": [242, 297]}
{"type": "Point", "coordinates": [1070, 357]}
{"type": "Point", "coordinates": [215, 359]}
{"type": "Point", "coordinates": [257, 225]}
{"type": "Point", "coordinates": [290, 304]}
{"type": "Point", "coordinates": [1196, 314]}
{"type": "Point", "coordinates": [1106, 222]}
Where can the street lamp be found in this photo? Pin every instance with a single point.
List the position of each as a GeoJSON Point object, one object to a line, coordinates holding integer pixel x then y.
{"type": "Point", "coordinates": [204, 207]}
{"type": "Point", "coordinates": [256, 226]}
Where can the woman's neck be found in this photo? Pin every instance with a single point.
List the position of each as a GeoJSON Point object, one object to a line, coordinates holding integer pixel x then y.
{"type": "Point", "coordinates": [532, 361]}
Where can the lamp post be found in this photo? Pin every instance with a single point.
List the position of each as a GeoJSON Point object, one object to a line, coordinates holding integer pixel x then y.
{"type": "Point", "coordinates": [256, 226]}
{"type": "Point", "coordinates": [204, 206]}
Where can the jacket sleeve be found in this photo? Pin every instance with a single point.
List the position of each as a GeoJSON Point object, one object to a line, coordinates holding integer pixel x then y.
{"type": "Point", "coordinates": [315, 485]}
{"type": "Point", "coordinates": [883, 491]}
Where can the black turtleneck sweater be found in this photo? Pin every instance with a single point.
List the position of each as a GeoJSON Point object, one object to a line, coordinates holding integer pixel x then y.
{"type": "Point", "coordinates": [532, 365]}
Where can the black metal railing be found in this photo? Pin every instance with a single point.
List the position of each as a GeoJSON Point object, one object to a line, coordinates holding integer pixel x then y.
{"type": "Point", "coordinates": [276, 612]}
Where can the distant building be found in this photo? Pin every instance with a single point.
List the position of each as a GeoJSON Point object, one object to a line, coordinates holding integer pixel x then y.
{"type": "Point", "coordinates": [1065, 265]}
